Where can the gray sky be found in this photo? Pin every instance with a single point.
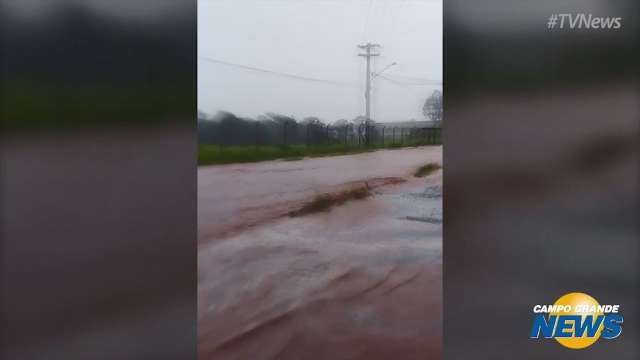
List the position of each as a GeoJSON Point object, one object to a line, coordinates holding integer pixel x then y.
{"type": "Point", "coordinates": [317, 39]}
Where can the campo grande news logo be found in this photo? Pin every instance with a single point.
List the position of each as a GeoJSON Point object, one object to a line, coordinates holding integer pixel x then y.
{"type": "Point", "coordinates": [576, 320]}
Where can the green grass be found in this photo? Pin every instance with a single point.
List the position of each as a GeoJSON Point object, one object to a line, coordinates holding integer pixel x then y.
{"type": "Point", "coordinates": [216, 155]}
{"type": "Point", "coordinates": [44, 107]}
{"type": "Point", "coordinates": [325, 202]}
{"type": "Point", "coordinates": [427, 169]}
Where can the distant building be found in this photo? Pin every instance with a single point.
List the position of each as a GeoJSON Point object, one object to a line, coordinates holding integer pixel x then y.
{"type": "Point", "coordinates": [412, 124]}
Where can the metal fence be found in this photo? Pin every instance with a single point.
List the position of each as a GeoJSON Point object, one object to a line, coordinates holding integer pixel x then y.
{"type": "Point", "coordinates": [292, 133]}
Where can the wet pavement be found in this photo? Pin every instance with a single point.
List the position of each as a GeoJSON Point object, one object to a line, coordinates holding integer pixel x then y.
{"type": "Point", "coordinates": [361, 281]}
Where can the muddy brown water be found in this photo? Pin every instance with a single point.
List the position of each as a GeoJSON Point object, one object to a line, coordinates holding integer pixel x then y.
{"type": "Point", "coordinates": [233, 197]}
{"type": "Point", "coordinates": [361, 281]}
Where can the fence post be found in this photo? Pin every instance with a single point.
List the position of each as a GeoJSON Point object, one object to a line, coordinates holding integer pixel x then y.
{"type": "Point", "coordinates": [328, 140]}
{"type": "Point", "coordinates": [284, 132]}
{"type": "Point", "coordinates": [345, 134]}
{"type": "Point", "coordinates": [256, 134]}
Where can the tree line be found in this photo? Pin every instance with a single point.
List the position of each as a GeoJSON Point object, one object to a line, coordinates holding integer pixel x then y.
{"type": "Point", "coordinates": [226, 128]}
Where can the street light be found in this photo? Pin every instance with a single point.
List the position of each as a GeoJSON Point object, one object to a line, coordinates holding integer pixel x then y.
{"type": "Point", "coordinates": [383, 70]}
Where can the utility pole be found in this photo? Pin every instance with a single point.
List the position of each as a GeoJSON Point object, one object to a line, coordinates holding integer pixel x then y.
{"type": "Point", "coordinates": [368, 47]}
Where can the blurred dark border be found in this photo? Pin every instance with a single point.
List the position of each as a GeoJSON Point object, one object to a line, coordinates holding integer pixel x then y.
{"type": "Point", "coordinates": [541, 182]}
{"type": "Point", "coordinates": [70, 64]}
{"type": "Point", "coordinates": [98, 179]}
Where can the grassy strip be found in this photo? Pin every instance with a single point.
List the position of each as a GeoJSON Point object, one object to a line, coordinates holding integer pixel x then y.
{"type": "Point", "coordinates": [427, 169]}
{"type": "Point", "coordinates": [325, 202]}
{"type": "Point", "coordinates": [216, 155]}
{"type": "Point", "coordinates": [25, 107]}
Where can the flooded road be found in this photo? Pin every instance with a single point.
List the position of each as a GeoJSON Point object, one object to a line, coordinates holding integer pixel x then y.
{"type": "Point", "coordinates": [234, 197]}
{"type": "Point", "coordinates": [361, 281]}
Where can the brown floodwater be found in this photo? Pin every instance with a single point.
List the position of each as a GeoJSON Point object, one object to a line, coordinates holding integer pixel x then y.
{"type": "Point", "coordinates": [233, 197]}
{"type": "Point", "coordinates": [361, 281]}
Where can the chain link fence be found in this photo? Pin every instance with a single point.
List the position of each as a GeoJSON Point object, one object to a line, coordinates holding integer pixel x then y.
{"type": "Point", "coordinates": [255, 133]}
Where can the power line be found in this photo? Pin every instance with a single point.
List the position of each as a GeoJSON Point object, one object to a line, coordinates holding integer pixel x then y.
{"type": "Point", "coordinates": [272, 72]}
{"type": "Point", "coordinates": [394, 82]}
{"type": "Point", "coordinates": [365, 27]}
{"type": "Point", "coordinates": [408, 84]}
{"type": "Point", "coordinates": [412, 78]}
{"type": "Point", "coordinates": [374, 74]}
{"type": "Point", "coordinates": [409, 80]}
{"type": "Point", "coordinates": [394, 24]}
{"type": "Point", "coordinates": [384, 25]}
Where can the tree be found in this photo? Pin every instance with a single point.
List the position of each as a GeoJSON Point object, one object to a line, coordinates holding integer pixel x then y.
{"type": "Point", "coordinates": [432, 108]}
{"type": "Point", "coordinates": [311, 120]}
{"type": "Point", "coordinates": [314, 131]}
{"type": "Point", "coordinates": [359, 127]}
{"type": "Point", "coordinates": [359, 120]}
{"type": "Point", "coordinates": [341, 123]}
{"type": "Point", "coordinates": [202, 115]}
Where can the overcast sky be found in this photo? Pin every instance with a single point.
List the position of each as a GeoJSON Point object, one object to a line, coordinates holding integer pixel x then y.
{"type": "Point", "coordinates": [317, 39]}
